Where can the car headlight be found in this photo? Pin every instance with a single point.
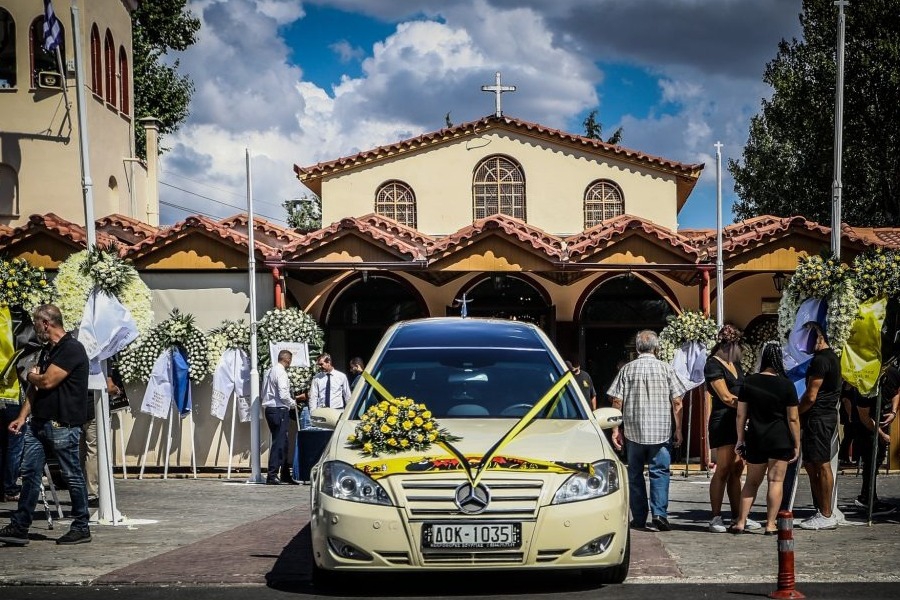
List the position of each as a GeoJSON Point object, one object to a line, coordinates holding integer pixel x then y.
{"type": "Point", "coordinates": [584, 486]}
{"type": "Point", "coordinates": [342, 481]}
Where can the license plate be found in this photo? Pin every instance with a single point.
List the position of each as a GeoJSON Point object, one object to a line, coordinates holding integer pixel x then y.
{"type": "Point", "coordinates": [471, 535]}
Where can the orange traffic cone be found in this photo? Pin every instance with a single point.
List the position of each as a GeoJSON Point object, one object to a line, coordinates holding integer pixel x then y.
{"type": "Point", "coordinates": [786, 557]}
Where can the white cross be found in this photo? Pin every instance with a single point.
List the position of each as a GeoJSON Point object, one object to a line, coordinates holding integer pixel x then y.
{"type": "Point", "coordinates": [498, 89]}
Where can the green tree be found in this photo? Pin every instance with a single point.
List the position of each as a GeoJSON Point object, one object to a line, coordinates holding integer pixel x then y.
{"type": "Point", "coordinates": [159, 91]}
{"type": "Point", "coordinates": [594, 129]}
{"type": "Point", "coordinates": [787, 166]}
{"type": "Point", "coordinates": [304, 213]}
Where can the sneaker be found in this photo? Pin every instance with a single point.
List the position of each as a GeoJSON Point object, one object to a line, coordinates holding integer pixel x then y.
{"type": "Point", "coordinates": [717, 525]}
{"type": "Point", "coordinates": [73, 536]}
{"type": "Point", "coordinates": [638, 525]}
{"type": "Point", "coordinates": [11, 498]}
{"type": "Point", "coordinates": [14, 536]}
{"type": "Point", "coordinates": [752, 525]}
{"type": "Point", "coordinates": [662, 524]}
{"type": "Point", "coordinates": [819, 521]}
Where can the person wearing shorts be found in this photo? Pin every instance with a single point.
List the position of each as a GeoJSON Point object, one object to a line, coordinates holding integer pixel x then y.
{"type": "Point", "coordinates": [818, 420]}
{"type": "Point", "coordinates": [768, 433]}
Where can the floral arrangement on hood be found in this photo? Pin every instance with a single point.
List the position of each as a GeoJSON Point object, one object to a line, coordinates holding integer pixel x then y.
{"type": "Point", "coordinates": [397, 425]}
{"type": "Point", "coordinates": [136, 362]}
{"type": "Point", "coordinates": [79, 274]}
{"type": "Point", "coordinates": [689, 326]}
{"type": "Point", "coordinates": [228, 335]}
{"type": "Point", "coordinates": [290, 325]}
{"type": "Point", "coordinates": [23, 285]}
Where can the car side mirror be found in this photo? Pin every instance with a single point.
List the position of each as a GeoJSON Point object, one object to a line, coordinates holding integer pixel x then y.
{"type": "Point", "coordinates": [326, 418]}
{"type": "Point", "coordinates": [608, 417]}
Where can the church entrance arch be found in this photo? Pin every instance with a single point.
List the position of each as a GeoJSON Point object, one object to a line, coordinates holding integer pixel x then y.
{"type": "Point", "coordinates": [359, 312]}
{"type": "Point", "coordinates": [506, 296]}
{"type": "Point", "coordinates": [609, 317]}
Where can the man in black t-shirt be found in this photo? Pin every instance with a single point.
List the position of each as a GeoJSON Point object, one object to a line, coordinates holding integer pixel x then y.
{"type": "Point", "coordinates": [818, 420]}
{"type": "Point", "coordinates": [57, 402]}
{"type": "Point", "coordinates": [584, 381]}
{"type": "Point", "coordinates": [866, 410]}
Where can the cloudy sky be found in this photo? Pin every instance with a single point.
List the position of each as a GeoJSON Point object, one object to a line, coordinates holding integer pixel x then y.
{"type": "Point", "coordinates": [303, 81]}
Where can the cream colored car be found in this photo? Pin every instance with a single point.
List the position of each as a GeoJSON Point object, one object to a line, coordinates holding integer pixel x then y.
{"type": "Point", "coordinates": [551, 496]}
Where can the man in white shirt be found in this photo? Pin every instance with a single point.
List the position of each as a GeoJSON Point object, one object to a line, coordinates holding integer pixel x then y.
{"type": "Point", "coordinates": [329, 388]}
{"type": "Point", "coordinates": [277, 401]}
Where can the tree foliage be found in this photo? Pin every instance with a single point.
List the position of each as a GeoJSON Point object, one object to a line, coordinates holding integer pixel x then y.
{"type": "Point", "coordinates": [159, 90]}
{"type": "Point", "coordinates": [304, 213]}
{"type": "Point", "coordinates": [594, 129]}
{"type": "Point", "coordinates": [787, 166]}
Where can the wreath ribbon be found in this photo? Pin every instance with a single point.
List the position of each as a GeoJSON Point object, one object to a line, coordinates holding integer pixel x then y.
{"type": "Point", "coordinates": [474, 475]}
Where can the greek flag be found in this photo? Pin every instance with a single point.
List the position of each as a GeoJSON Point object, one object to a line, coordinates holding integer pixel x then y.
{"type": "Point", "coordinates": [52, 28]}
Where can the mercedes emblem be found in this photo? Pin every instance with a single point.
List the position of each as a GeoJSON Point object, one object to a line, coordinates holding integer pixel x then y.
{"type": "Point", "coordinates": [471, 499]}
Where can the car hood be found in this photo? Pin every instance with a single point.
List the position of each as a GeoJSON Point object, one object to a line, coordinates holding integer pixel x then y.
{"type": "Point", "coordinates": [544, 439]}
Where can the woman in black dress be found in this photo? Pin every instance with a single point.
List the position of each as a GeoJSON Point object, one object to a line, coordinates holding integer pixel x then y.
{"type": "Point", "coordinates": [724, 378]}
{"type": "Point", "coordinates": [771, 441]}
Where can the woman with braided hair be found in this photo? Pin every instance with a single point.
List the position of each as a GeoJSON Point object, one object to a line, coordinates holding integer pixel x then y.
{"type": "Point", "coordinates": [768, 432]}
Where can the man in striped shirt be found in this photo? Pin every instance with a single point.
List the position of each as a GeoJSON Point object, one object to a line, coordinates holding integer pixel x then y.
{"type": "Point", "coordinates": [648, 393]}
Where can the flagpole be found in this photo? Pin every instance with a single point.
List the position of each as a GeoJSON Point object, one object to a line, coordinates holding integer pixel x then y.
{"type": "Point", "coordinates": [255, 474]}
{"type": "Point", "coordinates": [720, 265]}
{"type": "Point", "coordinates": [86, 181]}
{"type": "Point", "coordinates": [836, 185]}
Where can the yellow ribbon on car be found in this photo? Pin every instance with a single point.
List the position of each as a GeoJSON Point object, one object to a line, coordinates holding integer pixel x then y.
{"type": "Point", "coordinates": [490, 460]}
{"type": "Point", "coordinates": [410, 465]}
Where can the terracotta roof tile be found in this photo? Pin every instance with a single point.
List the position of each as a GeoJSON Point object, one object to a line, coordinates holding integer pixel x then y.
{"type": "Point", "coordinates": [265, 231]}
{"type": "Point", "coordinates": [209, 226]}
{"type": "Point", "coordinates": [320, 237]}
{"type": "Point", "coordinates": [528, 234]}
{"type": "Point", "coordinates": [398, 229]}
{"type": "Point", "coordinates": [479, 126]}
{"type": "Point", "coordinates": [586, 242]}
{"type": "Point", "coordinates": [127, 230]}
{"type": "Point", "coordinates": [52, 223]}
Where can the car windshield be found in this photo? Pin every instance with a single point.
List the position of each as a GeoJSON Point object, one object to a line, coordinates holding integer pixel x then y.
{"type": "Point", "coordinates": [473, 382]}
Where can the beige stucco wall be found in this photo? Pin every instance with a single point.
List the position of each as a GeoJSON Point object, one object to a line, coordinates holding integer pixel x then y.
{"type": "Point", "coordinates": [39, 136]}
{"type": "Point", "coordinates": [556, 178]}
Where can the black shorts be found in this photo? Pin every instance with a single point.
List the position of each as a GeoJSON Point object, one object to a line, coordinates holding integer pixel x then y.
{"type": "Point", "coordinates": [761, 456]}
{"type": "Point", "coordinates": [818, 430]}
{"type": "Point", "coordinates": [722, 428]}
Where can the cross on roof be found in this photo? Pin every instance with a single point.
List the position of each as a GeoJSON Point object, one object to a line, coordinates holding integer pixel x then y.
{"type": "Point", "coordinates": [498, 89]}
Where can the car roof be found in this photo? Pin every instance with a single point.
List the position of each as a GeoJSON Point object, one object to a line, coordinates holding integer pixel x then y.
{"type": "Point", "coordinates": [456, 332]}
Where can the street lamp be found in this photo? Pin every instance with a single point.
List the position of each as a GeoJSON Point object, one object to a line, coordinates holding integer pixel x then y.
{"type": "Point", "coordinates": [779, 279]}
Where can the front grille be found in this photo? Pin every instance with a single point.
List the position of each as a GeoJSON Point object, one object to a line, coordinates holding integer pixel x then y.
{"type": "Point", "coordinates": [544, 556]}
{"type": "Point", "coordinates": [473, 558]}
{"type": "Point", "coordinates": [395, 558]}
{"type": "Point", "coordinates": [434, 498]}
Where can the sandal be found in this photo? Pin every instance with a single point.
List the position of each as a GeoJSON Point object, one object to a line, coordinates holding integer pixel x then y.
{"type": "Point", "coordinates": [771, 532]}
{"type": "Point", "coordinates": [736, 530]}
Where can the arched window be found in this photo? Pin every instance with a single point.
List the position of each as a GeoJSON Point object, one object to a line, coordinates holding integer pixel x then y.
{"type": "Point", "coordinates": [498, 186]}
{"type": "Point", "coordinates": [7, 50]}
{"type": "Point", "coordinates": [109, 64]}
{"type": "Point", "coordinates": [9, 191]}
{"type": "Point", "coordinates": [124, 75]}
{"type": "Point", "coordinates": [602, 200]}
{"type": "Point", "coordinates": [41, 60]}
{"type": "Point", "coordinates": [96, 63]}
{"type": "Point", "coordinates": [397, 201]}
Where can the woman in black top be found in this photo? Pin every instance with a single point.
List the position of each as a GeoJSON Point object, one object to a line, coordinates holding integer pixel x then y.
{"type": "Point", "coordinates": [724, 378]}
{"type": "Point", "coordinates": [771, 441]}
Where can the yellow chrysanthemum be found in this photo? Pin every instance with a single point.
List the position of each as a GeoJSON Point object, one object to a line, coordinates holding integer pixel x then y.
{"type": "Point", "coordinates": [418, 421]}
{"type": "Point", "coordinates": [392, 442]}
{"type": "Point", "coordinates": [404, 443]}
{"type": "Point", "coordinates": [385, 429]}
{"type": "Point", "coordinates": [426, 414]}
{"type": "Point", "coordinates": [407, 425]}
{"type": "Point", "coordinates": [367, 447]}
{"type": "Point", "coordinates": [392, 420]}
{"type": "Point", "coordinates": [428, 426]}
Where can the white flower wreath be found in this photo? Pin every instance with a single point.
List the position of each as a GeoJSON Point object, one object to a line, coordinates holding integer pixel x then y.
{"type": "Point", "coordinates": [228, 335]}
{"type": "Point", "coordinates": [290, 325]}
{"type": "Point", "coordinates": [79, 274]}
{"type": "Point", "coordinates": [23, 285]}
{"type": "Point", "coordinates": [689, 326]}
{"type": "Point", "coordinates": [136, 362]}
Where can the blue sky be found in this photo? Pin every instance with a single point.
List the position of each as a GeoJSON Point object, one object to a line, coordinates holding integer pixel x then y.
{"type": "Point", "coordinates": [301, 82]}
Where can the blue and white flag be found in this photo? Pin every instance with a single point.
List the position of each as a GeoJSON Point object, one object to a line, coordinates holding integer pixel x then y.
{"type": "Point", "coordinates": [52, 28]}
{"type": "Point", "coordinates": [181, 381]}
{"type": "Point", "coordinates": [798, 351]}
{"type": "Point", "coordinates": [689, 363]}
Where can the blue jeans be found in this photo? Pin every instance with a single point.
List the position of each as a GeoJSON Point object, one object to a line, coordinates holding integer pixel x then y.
{"type": "Point", "coordinates": [278, 420]}
{"type": "Point", "coordinates": [658, 457]}
{"type": "Point", "coordinates": [43, 439]}
{"type": "Point", "coordinates": [11, 447]}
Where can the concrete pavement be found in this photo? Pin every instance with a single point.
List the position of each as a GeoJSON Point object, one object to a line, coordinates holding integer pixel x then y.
{"type": "Point", "coordinates": [215, 532]}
